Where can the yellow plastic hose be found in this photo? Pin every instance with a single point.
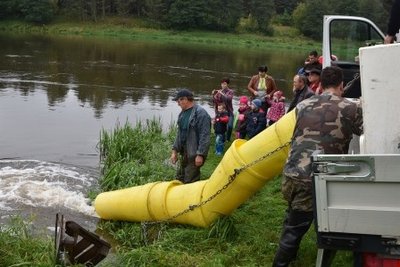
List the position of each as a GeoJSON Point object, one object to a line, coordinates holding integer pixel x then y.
{"type": "Point", "coordinates": [162, 200]}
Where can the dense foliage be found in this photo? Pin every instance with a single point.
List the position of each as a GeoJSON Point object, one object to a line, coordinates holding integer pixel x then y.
{"type": "Point", "coordinates": [215, 15]}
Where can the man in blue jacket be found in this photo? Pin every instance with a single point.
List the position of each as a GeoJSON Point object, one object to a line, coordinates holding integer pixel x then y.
{"type": "Point", "coordinates": [193, 139]}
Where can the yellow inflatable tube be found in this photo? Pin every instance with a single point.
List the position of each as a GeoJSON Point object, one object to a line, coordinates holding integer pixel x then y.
{"type": "Point", "coordinates": [162, 200]}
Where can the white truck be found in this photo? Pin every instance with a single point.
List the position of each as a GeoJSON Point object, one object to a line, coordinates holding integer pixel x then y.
{"type": "Point", "coordinates": [357, 196]}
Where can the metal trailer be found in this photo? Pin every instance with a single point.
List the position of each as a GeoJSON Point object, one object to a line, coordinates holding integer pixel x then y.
{"type": "Point", "coordinates": [357, 205]}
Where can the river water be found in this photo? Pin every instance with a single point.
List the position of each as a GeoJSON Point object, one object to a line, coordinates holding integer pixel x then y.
{"type": "Point", "coordinates": [58, 93]}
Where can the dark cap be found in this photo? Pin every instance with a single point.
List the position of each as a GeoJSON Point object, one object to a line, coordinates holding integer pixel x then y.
{"type": "Point", "coordinates": [183, 93]}
{"type": "Point", "coordinates": [315, 71]}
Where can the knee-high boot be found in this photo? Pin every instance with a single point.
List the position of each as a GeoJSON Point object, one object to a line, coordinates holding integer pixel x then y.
{"type": "Point", "coordinates": [295, 226]}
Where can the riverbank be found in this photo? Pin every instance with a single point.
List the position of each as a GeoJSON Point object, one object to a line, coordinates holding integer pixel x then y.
{"type": "Point", "coordinates": [129, 29]}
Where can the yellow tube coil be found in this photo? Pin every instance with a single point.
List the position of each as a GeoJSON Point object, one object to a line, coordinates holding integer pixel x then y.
{"type": "Point", "coordinates": [162, 200]}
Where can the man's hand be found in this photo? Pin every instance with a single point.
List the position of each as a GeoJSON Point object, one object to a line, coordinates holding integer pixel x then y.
{"type": "Point", "coordinates": [174, 157]}
{"type": "Point", "coordinates": [199, 160]}
{"type": "Point", "coordinates": [388, 39]}
{"type": "Point", "coordinates": [255, 93]}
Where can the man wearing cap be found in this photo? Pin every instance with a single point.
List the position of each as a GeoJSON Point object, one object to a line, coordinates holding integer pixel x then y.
{"type": "Point", "coordinates": [314, 81]}
{"type": "Point", "coordinates": [193, 138]}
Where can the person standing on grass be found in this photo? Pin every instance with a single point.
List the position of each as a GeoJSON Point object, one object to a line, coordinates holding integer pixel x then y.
{"type": "Point", "coordinates": [220, 123]}
{"type": "Point", "coordinates": [243, 111]}
{"type": "Point", "coordinates": [262, 86]}
{"type": "Point", "coordinates": [326, 123]}
{"type": "Point", "coordinates": [277, 108]}
{"type": "Point", "coordinates": [256, 120]}
{"type": "Point", "coordinates": [193, 138]}
{"type": "Point", "coordinates": [224, 96]}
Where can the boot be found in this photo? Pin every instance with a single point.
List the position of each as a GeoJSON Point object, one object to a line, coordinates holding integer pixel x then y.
{"type": "Point", "coordinates": [295, 226]}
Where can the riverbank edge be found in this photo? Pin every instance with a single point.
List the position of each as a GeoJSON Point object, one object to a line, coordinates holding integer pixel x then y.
{"type": "Point", "coordinates": [284, 38]}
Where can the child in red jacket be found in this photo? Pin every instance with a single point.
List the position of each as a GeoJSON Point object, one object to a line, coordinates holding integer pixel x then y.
{"type": "Point", "coordinates": [220, 126]}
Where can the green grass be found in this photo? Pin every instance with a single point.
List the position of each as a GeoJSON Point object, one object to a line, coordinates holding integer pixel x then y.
{"type": "Point", "coordinates": [20, 246]}
{"type": "Point", "coordinates": [131, 29]}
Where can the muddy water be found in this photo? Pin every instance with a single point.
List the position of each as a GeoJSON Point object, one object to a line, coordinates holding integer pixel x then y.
{"type": "Point", "coordinates": [58, 93]}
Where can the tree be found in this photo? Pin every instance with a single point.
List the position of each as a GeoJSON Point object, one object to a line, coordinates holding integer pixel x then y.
{"type": "Point", "coordinates": [285, 6]}
{"type": "Point", "coordinates": [262, 11]}
{"type": "Point", "coordinates": [343, 7]}
{"type": "Point", "coordinates": [37, 11]}
{"type": "Point", "coordinates": [225, 14]}
{"type": "Point", "coordinates": [308, 18]}
{"type": "Point", "coordinates": [188, 14]}
{"type": "Point", "coordinates": [374, 10]}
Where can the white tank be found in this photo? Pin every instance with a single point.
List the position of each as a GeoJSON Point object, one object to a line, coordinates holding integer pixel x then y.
{"type": "Point", "coordinates": [380, 87]}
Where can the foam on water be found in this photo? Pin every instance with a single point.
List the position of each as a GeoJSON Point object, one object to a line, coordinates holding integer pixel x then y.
{"type": "Point", "coordinates": [40, 184]}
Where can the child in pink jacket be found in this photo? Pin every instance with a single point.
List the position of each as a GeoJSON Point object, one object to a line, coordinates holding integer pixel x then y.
{"type": "Point", "coordinates": [277, 107]}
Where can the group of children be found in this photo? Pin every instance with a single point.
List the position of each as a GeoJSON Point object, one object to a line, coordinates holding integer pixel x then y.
{"type": "Point", "coordinates": [249, 120]}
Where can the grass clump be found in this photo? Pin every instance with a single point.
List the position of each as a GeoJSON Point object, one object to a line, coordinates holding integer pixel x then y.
{"type": "Point", "coordinates": [135, 155]}
{"type": "Point", "coordinates": [20, 247]}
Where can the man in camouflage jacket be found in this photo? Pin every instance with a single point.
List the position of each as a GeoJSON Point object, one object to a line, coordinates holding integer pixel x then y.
{"type": "Point", "coordinates": [324, 122]}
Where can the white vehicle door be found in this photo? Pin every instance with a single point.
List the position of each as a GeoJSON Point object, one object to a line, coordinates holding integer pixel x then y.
{"type": "Point", "coordinates": [342, 37]}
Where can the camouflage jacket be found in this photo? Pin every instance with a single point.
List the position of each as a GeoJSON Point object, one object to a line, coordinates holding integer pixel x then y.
{"type": "Point", "coordinates": [324, 122]}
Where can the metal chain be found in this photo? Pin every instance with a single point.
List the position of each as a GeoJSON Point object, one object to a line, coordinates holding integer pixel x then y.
{"type": "Point", "coordinates": [232, 178]}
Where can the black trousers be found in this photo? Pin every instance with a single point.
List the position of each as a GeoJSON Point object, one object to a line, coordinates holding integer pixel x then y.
{"type": "Point", "coordinates": [295, 226]}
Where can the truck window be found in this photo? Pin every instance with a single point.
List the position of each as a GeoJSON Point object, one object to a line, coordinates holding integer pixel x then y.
{"type": "Point", "coordinates": [348, 36]}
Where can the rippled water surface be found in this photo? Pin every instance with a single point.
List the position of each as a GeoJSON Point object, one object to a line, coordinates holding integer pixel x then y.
{"type": "Point", "coordinates": [58, 93]}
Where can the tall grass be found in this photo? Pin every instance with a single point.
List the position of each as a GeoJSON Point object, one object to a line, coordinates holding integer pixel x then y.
{"type": "Point", "coordinates": [135, 155]}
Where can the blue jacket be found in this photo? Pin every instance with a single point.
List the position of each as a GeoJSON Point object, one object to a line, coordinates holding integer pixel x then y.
{"type": "Point", "coordinates": [255, 123]}
{"type": "Point", "coordinates": [198, 134]}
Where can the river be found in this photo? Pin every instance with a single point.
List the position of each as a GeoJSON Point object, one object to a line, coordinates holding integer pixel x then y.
{"type": "Point", "coordinates": [58, 93]}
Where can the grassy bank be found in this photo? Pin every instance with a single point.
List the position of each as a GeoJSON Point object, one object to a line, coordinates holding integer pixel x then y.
{"type": "Point", "coordinates": [139, 155]}
{"type": "Point", "coordinates": [130, 29]}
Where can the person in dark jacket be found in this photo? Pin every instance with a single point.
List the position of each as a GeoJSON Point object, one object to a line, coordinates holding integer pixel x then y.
{"type": "Point", "coordinates": [326, 123]}
{"type": "Point", "coordinates": [301, 90]}
{"type": "Point", "coordinates": [193, 138]}
{"type": "Point", "coordinates": [256, 120]}
{"type": "Point", "coordinates": [394, 23]}
{"type": "Point", "coordinates": [243, 111]}
{"type": "Point", "coordinates": [220, 127]}
{"type": "Point", "coordinates": [310, 63]}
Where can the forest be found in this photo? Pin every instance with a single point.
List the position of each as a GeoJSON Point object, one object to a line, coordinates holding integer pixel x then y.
{"type": "Point", "coordinates": [236, 16]}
